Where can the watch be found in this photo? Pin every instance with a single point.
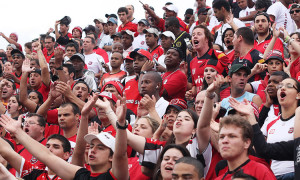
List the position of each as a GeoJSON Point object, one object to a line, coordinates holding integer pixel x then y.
{"type": "Point", "coordinates": [122, 127]}
{"type": "Point", "coordinates": [143, 72]}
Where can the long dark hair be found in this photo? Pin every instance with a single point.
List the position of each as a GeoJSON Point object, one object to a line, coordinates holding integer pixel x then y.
{"type": "Point", "coordinates": [182, 149]}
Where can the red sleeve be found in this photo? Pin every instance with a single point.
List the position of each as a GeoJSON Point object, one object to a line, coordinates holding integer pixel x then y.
{"type": "Point", "coordinates": [119, 28]}
{"type": "Point", "coordinates": [52, 116]}
{"type": "Point", "coordinates": [26, 168]}
{"type": "Point", "coordinates": [70, 35]}
{"type": "Point", "coordinates": [161, 25]}
{"type": "Point", "coordinates": [176, 85]}
{"type": "Point", "coordinates": [52, 129]}
{"type": "Point", "coordinates": [278, 45]}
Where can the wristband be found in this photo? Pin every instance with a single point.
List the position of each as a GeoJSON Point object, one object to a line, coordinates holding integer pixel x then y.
{"type": "Point", "coordinates": [211, 95]}
{"type": "Point", "coordinates": [122, 127]}
{"type": "Point", "coordinates": [287, 39]}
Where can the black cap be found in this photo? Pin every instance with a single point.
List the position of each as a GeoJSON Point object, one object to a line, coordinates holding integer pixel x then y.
{"type": "Point", "coordinates": [65, 20]}
{"type": "Point", "coordinates": [37, 71]}
{"type": "Point", "coordinates": [144, 21]}
{"type": "Point", "coordinates": [189, 11]}
{"type": "Point", "coordinates": [234, 68]}
{"type": "Point", "coordinates": [15, 51]}
{"type": "Point", "coordinates": [202, 10]}
{"type": "Point", "coordinates": [116, 35]}
{"type": "Point", "coordinates": [90, 28]}
{"type": "Point", "coordinates": [111, 15]}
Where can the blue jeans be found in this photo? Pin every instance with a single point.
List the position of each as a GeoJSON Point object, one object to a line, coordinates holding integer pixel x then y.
{"type": "Point", "coordinates": [287, 176]}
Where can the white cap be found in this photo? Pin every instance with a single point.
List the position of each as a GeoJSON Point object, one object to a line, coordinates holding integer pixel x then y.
{"type": "Point", "coordinates": [168, 34]}
{"type": "Point", "coordinates": [130, 33]}
{"type": "Point", "coordinates": [171, 7]}
{"type": "Point", "coordinates": [107, 139]}
{"type": "Point", "coordinates": [151, 31]}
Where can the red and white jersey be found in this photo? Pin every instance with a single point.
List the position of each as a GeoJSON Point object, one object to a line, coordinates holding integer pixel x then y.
{"type": "Point", "coordinates": [133, 96]}
{"type": "Point", "coordinates": [276, 131]}
{"type": "Point", "coordinates": [211, 157]}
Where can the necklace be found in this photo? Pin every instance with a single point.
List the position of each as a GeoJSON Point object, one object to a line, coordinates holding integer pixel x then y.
{"type": "Point", "coordinates": [242, 60]}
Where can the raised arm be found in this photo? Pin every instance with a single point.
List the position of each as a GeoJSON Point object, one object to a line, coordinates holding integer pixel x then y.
{"type": "Point", "coordinates": [45, 74]}
{"type": "Point", "coordinates": [203, 125]}
{"type": "Point", "coordinates": [13, 158]}
{"type": "Point", "coordinates": [151, 13]}
{"type": "Point", "coordinates": [11, 41]}
{"type": "Point", "coordinates": [120, 159]}
{"type": "Point", "coordinates": [270, 47]}
{"type": "Point", "coordinates": [30, 105]}
{"type": "Point", "coordinates": [135, 141]}
{"type": "Point", "coordinates": [78, 155]}
{"type": "Point", "coordinates": [57, 35]}
{"type": "Point", "coordinates": [62, 168]}
{"type": "Point", "coordinates": [149, 103]}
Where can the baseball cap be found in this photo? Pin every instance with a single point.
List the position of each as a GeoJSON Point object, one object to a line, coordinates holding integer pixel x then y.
{"type": "Point", "coordinates": [108, 96]}
{"type": "Point", "coordinates": [293, 6]}
{"type": "Point", "coordinates": [189, 11]}
{"type": "Point", "coordinates": [152, 31]}
{"type": "Point", "coordinates": [78, 55]}
{"type": "Point", "coordinates": [11, 45]}
{"type": "Point", "coordinates": [141, 52]}
{"type": "Point", "coordinates": [275, 54]}
{"type": "Point", "coordinates": [234, 68]}
{"type": "Point", "coordinates": [116, 35]}
{"type": "Point", "coordinates": [111, 15]}
{"type": "Point", "coordinates": [179, 104]}
{"type": "Point", "coordinates": [214, 63]}
{"type": "Point", "coordinates": [78, 28]}
{"type": "Point", "coordinates": [65, 20]}
{"type": "Point", "coordinates": [130, 33]}
{"type": "Point", "coordinates": [202, 10]}
{"type": "Point", "coordinates": [171, 7]}
{"type": "Point", "coordinates": [98, 19]}
{"type": "Point", "coordinates": [89, 28]}
{"type": "Point", "coordinates": [168, 34]}
{"type": "Point", "coordinates": [119, 86]}
{"type": "Point", "coordinates": [107, 139]}
{"type": "Point", "coordinates": [128, 57]}
{"type": "Point", "coordinates": [144, 21]}
{"type": "Point", "coordinates": [17, 51]}
{"type": "Point", "coordinates": [13, 33]}
{"type": "Point", "coordinates": [112, 20]}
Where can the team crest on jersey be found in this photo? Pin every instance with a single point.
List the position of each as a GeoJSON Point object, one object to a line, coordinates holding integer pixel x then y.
{"type": "Point", "coordinates": [33, 160]}
{"type": "Point", "coordinates": [272, 131]}
{"type": "Point", "coordinates": [178, 44]}
{"type": "Point", "coordinates": [266, 45]}
{"type": "Point", "coordinates": [155, 56]}
{"type": "Point", "coordinates": [291, 130]}
{"type": "Point", "coordinates": [90, 63]}
{"type": "Point", "coordinates": [143, 42]}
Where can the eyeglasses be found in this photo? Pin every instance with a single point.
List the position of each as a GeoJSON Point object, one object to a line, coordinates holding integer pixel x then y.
{"type": "Point", "coordinates": [29, 123]}
{"type": "Point", "coordinates": [292, 11]}
{"type": "Point", "coordinates": [288, 86]}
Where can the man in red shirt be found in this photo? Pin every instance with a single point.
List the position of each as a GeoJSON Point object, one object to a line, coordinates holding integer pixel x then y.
{"type": "Point", "coordinates": [262, 26]}
{"type": "Point", "coordinates": [152, 35]}
{"type": "Point", "coordinates": [49, 48]}
{"type": "Point", "coordinates": [126, 24]}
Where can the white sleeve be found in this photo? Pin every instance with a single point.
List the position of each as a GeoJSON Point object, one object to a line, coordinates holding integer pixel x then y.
{"type": "Point", "coordinates": [238, 22]}
{"type": "Point", "coordinates": [255, 85]}
{"type": "Point", "coordinates": [273, 10]}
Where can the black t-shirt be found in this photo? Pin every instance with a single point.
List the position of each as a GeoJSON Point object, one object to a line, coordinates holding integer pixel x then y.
{"type": "Point", "coordinates": [84, 174]}
{"type": "Point", "coordinates": [297, 157]}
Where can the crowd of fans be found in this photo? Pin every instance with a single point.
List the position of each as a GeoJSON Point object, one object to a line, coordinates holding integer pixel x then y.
{"type": "Point", "coordinates": [212, 96]}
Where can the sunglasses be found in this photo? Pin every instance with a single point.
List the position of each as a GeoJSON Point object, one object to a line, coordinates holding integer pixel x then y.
{"type": "Point", "coordinates": [297, 11]}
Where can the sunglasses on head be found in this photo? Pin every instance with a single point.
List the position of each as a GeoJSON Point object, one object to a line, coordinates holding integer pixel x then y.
{"type": "Point", "coordinates": [297, 11]}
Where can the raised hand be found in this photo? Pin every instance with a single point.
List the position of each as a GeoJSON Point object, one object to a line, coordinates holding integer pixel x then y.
{"type": "Point", "coordinates": [63, 88]}
{"type": "Point", "coordinates": [148, 66]}
{"type": "Point", "coordinates": [216, 84]}
{"type": "Point", "coordinates": [103, 104]}
{"type": "Point", "coordinates": [244, 108]}
{"type": "Point", "coordinates": [93, 128]}
{"type": "Point", "coordinates": [10, 124]}
{"type": "Point", "coordinates": [258, 68]}
{"type": "Point", "coordinates": [89, 105]}
{"type": "Point", "coordinates": [26, 66]}
{"type": "Point", "coordinates": [148, 102]}
{"type": "Point", "coordinates": [53, 91]}
{"type": "Point", "coordinates": [276, 32]}
{"type": "Point", "coordinates": [121, 108]}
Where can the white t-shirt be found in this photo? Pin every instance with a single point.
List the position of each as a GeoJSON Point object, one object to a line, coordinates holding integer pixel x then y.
{"type": "Point", "coordinates": [161, 106]}
{"type": "Point", "coordinates": [282, 17]}
{"type": "Point", "coordinates": [106, 41]}
{"type": "Point", "coordinates": [140, 42]}
{"type": "Point", "coordinates": [221, 30]}
{"type": "Point", "coordinates": [93, 62]}
{"type": "Point", "coordinates": [280, 131]}
{"type": "Point", "coordinates": [161, 60]}
{"type": "Point", "coordinates": [246, 12]}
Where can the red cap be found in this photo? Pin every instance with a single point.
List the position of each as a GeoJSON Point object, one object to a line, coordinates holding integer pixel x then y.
{"type": "Point", "coordinates": [78, 28]}
{"type": "Point", "coordinates": [119, 86]}
{"type": "Point", "coordinates": [108, 96]}
{"type": "Point", "coordinates": [60, 47]}
{"type": "Point", "coordinates": [141, 52]}
{"type": "Point", "coordinates": [179, 104]}
{"type": "Point", "coordinates": [217, 65]}
{"type": "Point", "coordinates": [128, 57]}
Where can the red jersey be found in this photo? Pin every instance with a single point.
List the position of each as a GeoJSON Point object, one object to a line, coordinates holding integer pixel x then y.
{"type": "Point", "coordinates": [183, 27]}
{"type": "Point", "coordinates": [48, 56]}
{"type": "Point", "coordinates": [224, 92]}
{"type": "Point", "coordinates": [112, 77]}
{"type": "Point", "coordinates": [102, 53]}
{"type": "Point", "coordinates": [52, 116]}
{"type": "Point", "coordinates": [175, 84]}
{"type": "Point", "coordinates": [133, 96]}
{"type": "Point", "coordinates": [156, 52]}
{"type": "Point", "coordinates": [198, 64]}
{"type": "Point", "coordinates": [135, 170]}
{"type": "Point", "coordinates": [18, 77]}
{"type": "Point", "coordinates": [295, 67]}
{"type": "Point", "coordinates": [250, 59]}
{"type": "Point", "coordinates": [129, 25]}
{"type": "Point", "coordinates": [250, 167]}
{"type": "Point", "coordinates": [231, 56]}
{"type": "Point", "coordinates": [44, 90]}
{"type": "Point", "coordinates": [261, 46]}
{"type": "Point", "coordinates": [28, 157]}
